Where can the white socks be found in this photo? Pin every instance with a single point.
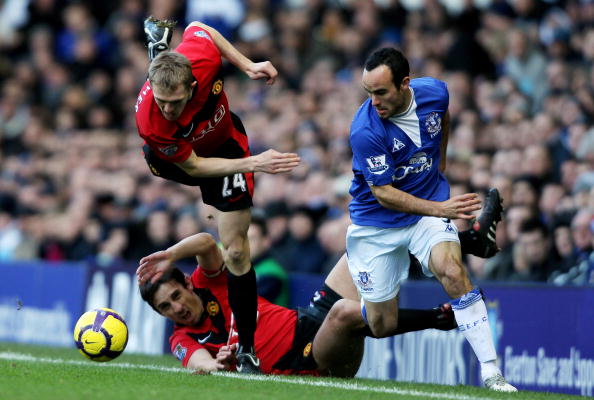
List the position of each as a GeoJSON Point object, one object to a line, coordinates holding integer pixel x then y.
{"type": "Point", "coordinates": [471, 315]}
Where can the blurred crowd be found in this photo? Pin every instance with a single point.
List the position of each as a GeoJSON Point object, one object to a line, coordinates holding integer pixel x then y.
{"type": "Point", "coordinates": [74, 184]}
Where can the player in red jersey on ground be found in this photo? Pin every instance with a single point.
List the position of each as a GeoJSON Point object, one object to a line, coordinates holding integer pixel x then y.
{"type": "Point", "coordinates": [192, 137]}
{"type": "Point", "coordinates": [324, 339]}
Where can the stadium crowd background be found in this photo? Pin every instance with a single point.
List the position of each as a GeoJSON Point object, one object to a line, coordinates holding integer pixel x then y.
{"type": "Point", "coordinates": [74, 185]}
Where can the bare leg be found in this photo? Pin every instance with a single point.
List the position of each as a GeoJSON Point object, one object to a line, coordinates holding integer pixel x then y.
{"type": "Point", "coordinates": [338, 345]}
{"type": "Point", "coordinates": [233, 227]}
{"type": "Point", "coordinates": [446, 265]}
{"type": "Point", "coordinates": [339, 279]}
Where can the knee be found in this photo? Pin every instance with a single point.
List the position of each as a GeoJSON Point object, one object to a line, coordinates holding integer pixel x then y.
{"type": "Point", "coordinates": [346, 313]}
{"type": "Point", "coordinates": [237, 255]}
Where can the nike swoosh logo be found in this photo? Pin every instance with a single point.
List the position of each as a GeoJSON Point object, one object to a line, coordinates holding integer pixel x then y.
{"type": "Point", "coordinates": [189, 130]}
{"type": "Point", "coordinates": [202, 341]}
{"type": "Point", "coordinates": [87, 342]}
{"type": "Point", "coordinates": [234, 199]}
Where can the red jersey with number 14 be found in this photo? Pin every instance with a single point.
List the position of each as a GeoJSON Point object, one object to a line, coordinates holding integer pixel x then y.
{"type": "Point", "coordinates": [274, 335]}
{"type": "Point", "coordinates": [205, 124]}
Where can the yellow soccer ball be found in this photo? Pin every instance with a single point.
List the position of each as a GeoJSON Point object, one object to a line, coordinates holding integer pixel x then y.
{"type": "Point", "coordinates": [101, 334]}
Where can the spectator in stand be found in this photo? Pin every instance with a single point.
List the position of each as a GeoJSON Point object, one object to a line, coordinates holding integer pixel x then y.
{"type": "Point", "coordinates": [501, 265]}
{"type": "Point", "coordinates": [277, 224]}
{"type": "Point", "coordinates": [525, 190]}
{"type": "Point", "coordinates": [272, 279]}
{"type": "Point", "coordinates": [532, 257]}
{"type": "Point", "coordinates": [304, 252]}
{"type": "Point", "coordinates": [563, 245]}
{"type": "Point", "coordinates": [62, 137]}
{"type": "Point", "coordinates": [581, 231]}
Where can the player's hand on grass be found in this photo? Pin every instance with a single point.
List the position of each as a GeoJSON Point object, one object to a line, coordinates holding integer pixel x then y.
{"type": "Point", "coordinates": [153, 266]}
{"type": "Point", "coordinates": [274, 162]}
{"type": "Point", "coordinates": [226, 356]}
{"type": "Point", "coordinates": [460, 206]}
{"type": "Point", "coordinates": [262, 70]}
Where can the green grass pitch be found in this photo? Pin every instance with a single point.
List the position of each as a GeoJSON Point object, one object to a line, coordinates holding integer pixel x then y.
{"type": "Point", "coordinates": [41, 373]}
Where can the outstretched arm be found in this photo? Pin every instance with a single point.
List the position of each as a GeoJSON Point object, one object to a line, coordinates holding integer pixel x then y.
{"type": "Point", "coordinates": [202, 246]}
{"type": "Point", "coordinates": [460, 206]}
{"type": "Point", "coordinates": [202, 362]}
{"type": "Point", "coordinates": [270, 162]}
{"type": "Point", "coordinates": [253, 70]}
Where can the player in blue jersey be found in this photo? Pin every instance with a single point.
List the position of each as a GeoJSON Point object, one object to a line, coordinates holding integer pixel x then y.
{"type": "Point", "coordinates": [401, 203]}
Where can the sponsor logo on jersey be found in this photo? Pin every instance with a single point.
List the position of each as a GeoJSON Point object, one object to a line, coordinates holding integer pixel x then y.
{"type": "Point", "coordinates": [212, 123]}
{"type": "Point", "coordinates": [377, 164]}
{"type": "Point", "coordinates": [212, 307]}
{"type": "Point", "coordinates": [397, 145]}
{"type": "Point", "coordinates": [201, 34]}
{"type": "Point", "coordinates": [449, 228]}
{"type": "Point", "coordinates": [217, 87]}
{"type": "Point", "coordinates": [169, 150]}
{"type": "Point", "coordinates": [433, 124]}
{"type": "Point", "coordinates": [307, 349]}
{"type": "Point", "coordinates": [416, 164]}
{"type": "Point", "coordinates": [364, 281]}
{"type": "Point", "coordinates": [180, 352]}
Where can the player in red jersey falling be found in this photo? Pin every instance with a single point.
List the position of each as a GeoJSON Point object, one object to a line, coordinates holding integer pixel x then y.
{"type": "Point", "coordinates": [324, 339]}
{"type": "Point", "coordinates": [192, 137]}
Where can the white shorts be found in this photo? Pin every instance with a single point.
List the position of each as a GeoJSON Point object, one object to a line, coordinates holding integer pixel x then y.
{"type": "Point", "coordinates": [378, 257]}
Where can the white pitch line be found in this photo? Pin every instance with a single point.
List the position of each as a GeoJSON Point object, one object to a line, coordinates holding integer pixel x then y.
{"type": "Point", "coordinates": [264, 378]}
{"type": "Point", "coordinates": [27, 357]}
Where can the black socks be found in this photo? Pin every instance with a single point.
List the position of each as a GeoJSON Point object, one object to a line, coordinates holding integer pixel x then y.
{"type": "Point", "coordinates": [244, 304]}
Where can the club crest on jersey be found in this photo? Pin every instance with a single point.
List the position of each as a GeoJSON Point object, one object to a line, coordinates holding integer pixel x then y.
{"type": "Point", "coordinates": [397, 145]}
{"type": "Point", "coordinates": [169, 150]}
{"type": "Point", "coordinates": [307, 349]}
{"type": "Point", "coordinates": [377, 164]}
{"type": "Point", "coordinates": [180, 352]}
{"type": "Point", "coordinates": [217, 87]}
{"type": "Point", "coordinates": [433, 124]}
{"type": "Point", "coordinates": [212, 307]}
{"type": "Point", "coordinates": [365, 282]}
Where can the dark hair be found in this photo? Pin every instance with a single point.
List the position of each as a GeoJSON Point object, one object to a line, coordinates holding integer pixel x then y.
{"type": "Point", "coordinates": [260, 222]}
{"type": "Point", "coordinates": [148, 289]}
{"type": "Point", "coordinates": [391, 58]}
{"type": "Point", "coordinates": [534, 225]}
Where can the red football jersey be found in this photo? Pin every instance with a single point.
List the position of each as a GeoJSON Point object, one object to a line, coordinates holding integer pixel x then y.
{"type": "Point", "coordinates": [275, 328]}
{"type": "Point", "coordinates": [205, 123]}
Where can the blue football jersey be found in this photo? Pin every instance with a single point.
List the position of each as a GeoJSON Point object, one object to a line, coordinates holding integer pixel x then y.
{"type": "Point", "coordinates": [402, 151]}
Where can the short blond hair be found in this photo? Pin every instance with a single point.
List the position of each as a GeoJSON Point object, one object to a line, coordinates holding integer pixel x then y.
{"type": "Point", "coordinates": [170, 69]}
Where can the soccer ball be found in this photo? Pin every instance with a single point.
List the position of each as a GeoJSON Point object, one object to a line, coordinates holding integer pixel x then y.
{"type": "Point", "coordinates": [101, 334]}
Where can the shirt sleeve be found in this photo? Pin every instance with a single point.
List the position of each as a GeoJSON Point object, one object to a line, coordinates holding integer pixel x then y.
{"type": "Point", "coordinates": [183, 346]}
{"type": "Point", "coordinates": [201, 50]}
{"type": "Point", "coordinates": [169, 150]}
{"type": "Point", "coordinates": [371, 156]}
{"type": "Point", "coordinates": [203, 279]}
